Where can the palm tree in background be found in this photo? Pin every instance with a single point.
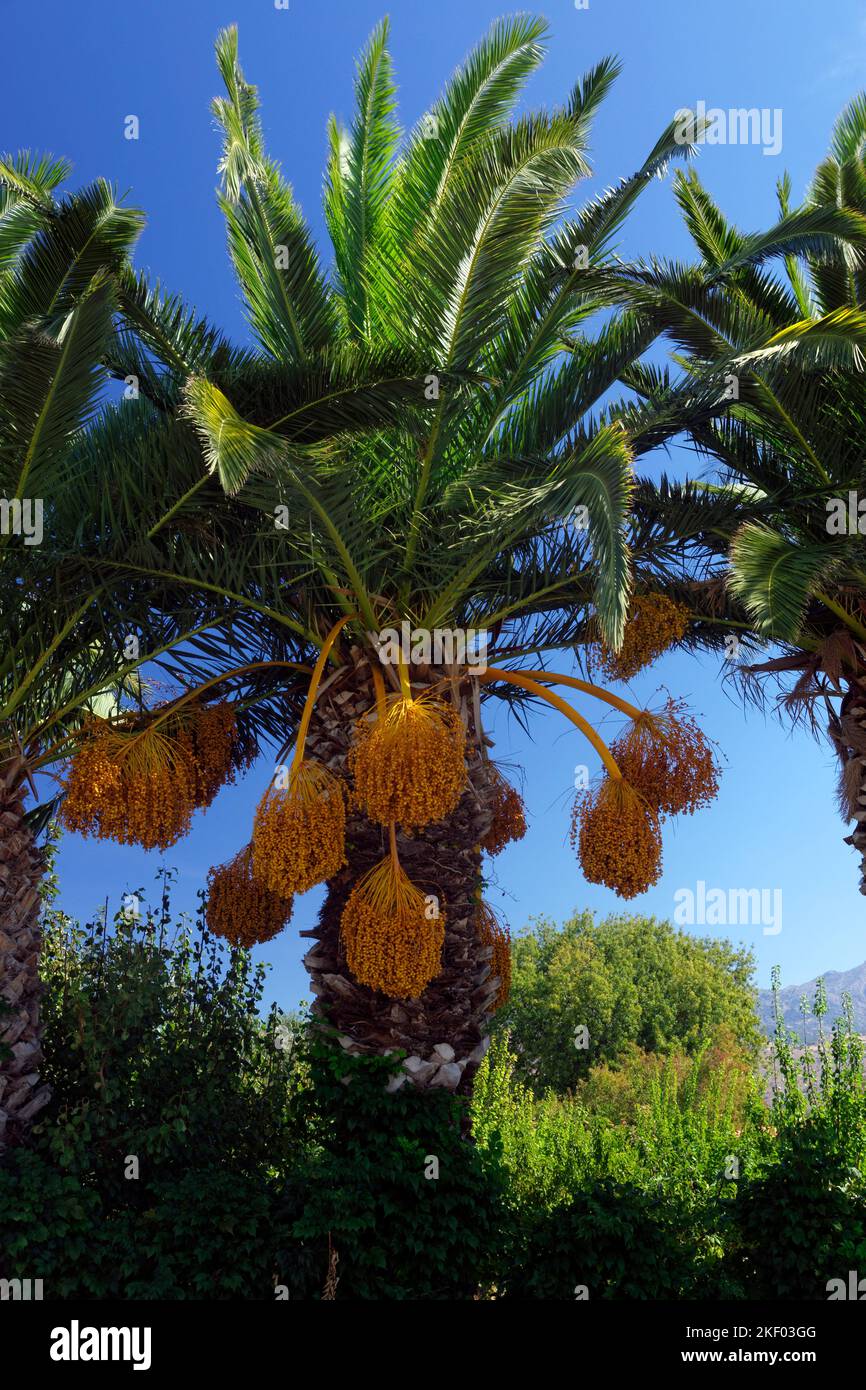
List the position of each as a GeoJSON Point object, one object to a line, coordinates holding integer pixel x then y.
{"type": "Point", "coordinates": [769, 332]}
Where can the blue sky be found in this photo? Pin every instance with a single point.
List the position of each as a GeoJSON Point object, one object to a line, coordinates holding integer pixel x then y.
{"type": "Point", "coordinates": [75, 72]}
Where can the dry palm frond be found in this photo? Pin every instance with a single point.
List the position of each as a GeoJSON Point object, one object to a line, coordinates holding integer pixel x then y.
{"type": "Point", "coordinates": [852, 781]}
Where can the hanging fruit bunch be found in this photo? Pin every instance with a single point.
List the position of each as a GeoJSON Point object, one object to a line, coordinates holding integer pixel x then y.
{"type": "Point", "coordinates": [662, 765]}
{"type": "Point", "coordinates": [409, 765]}
{"type": "Point", "coordinates": [493, 932]}
{"type": "Point", "coordinates": [140, 783]}
{"type": "Point", "coordinates": [211, 737]}
{"type": "Point", "coordinates": [655, 624]}
{"type": "Point", "coordinates": [669, 760]}
{"type": "Point", "coordinates": [239, 907]}
{"type": "Point", "coordinates": [617, 836]}
{"type": "Point", "coordinates": [299, 836]}
{"type": "Point", "coordinates": [509, 814]}
{"type": "Point", "coordinates": [392, 934]}
{"type": "Point", "coordinates": [408, 762]}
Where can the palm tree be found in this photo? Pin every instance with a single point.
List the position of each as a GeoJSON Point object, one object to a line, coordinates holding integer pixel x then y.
{"type": "Point", "coordinates": [418, 437]}
{"type": "Point", "coordinates": [55, 309]}
{"type": "Point", "coordinates": [769, 332]}
{"type": "Point", "coordinates": [494, 498]}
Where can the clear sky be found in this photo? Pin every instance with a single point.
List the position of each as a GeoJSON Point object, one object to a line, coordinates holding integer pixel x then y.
{"type": "Point", "coordinates": [74, 72]}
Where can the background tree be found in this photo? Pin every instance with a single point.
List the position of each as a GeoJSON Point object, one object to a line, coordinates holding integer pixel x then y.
{"type": "Point", "coordinates": [629, 982]}
{"type": "Point", "coordinates": [768, 333]}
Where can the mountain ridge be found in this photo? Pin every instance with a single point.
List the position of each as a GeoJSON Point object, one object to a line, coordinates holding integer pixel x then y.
{"type": "Point", "coordinates": [836, 983]}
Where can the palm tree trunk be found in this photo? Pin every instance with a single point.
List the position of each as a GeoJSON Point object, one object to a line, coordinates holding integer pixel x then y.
{"type": "Point", "coordinates": [444, 1030]}
{"type": "Point", "coordinates": [22, 1095]}
{"type": "Point", "coordinates": [848, 734]}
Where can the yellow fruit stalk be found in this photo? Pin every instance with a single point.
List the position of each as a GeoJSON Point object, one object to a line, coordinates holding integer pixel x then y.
{"type": "Point", "coordinates": [299, 832]}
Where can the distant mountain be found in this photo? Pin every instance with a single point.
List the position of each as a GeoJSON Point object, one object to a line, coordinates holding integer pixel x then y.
{"type": "Point", "coordinates": [837, 983]}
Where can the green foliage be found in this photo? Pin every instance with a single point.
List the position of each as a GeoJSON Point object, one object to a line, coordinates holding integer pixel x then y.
{"type": "Point", "coordinates": [801, 1223]}
{"type": "Point", "coordinates": [723, 1073]}
{"type": "Point", "coordinates": [263, 1167]}
{"type": "Point", "coordinates": [681, 1129]}
{"type": "Point", "coordinates": [800, 1220]}
{"type": "Point", "coordinates": [154, 1047]}
{"type": "Point", "coordinates": [188, 1154]}
{"type": "Point", "coordinates": [411, 1205]}
{"type": "Point", "coordinates": [199, 1233]}
{"type": "Point", "coordinates": [611, 1241]}
{"type": "Point", "coordinates": [154, 1172]}
{"type": "Point", "coordinates": [628, 981]}
{"type": "Point", "coordinates": [627, 1210]}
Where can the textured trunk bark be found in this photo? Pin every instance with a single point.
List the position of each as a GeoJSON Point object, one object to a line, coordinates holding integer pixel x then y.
{"type": "Point", "coordinates": [848, 733]}
{"type": "Point", "coordinates": [22, 1095]}
{"type": "Point", "coordinates": [444, 1030]}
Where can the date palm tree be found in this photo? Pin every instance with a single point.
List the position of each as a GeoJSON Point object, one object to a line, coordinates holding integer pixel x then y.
{"type": "Point", "coordinates": [769, 332]}
{"type": "Point", "coordinates": [419, 437]}
{"type": "Point", "coordinates": [495, 499]}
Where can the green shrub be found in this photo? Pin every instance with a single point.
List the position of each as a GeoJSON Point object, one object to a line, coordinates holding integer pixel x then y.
{"type": "Point", "coordinates": [612, 1241]}
{"type": "Point", "coordinates": [413, 1208]}
{"type": "Point", "coordinates": [154, 1046]}
{"type": "Point", "coordinates": [175, 1117]}
{"type": "Point", "coordinates": [799, 1224]}
{"type": "Point", "coordinates": [800, 1219]}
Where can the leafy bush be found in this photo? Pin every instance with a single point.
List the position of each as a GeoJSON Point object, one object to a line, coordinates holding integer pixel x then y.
{"type": "Point", "coordinates": [682, 1133]}
{"type": "Point", "coordinates": [202, 1234]}
{"type": "Point", "coordinates": [156, 1168]}
{"type": "Point", "coordinates": [612, 1240]}
{"type": "Point", "coordinates": [190, 1153]}
{"type": "Point", "coordinates": [801, 1223]}
{"type": "Point", "coordinates": [154, 1047]}
{"type": "Point", "coordinates": [414, 1209]}
{"type": "Point", "coordinates": [627, 981]}
{"type": "Point", "coordinates": [801, 1220]}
